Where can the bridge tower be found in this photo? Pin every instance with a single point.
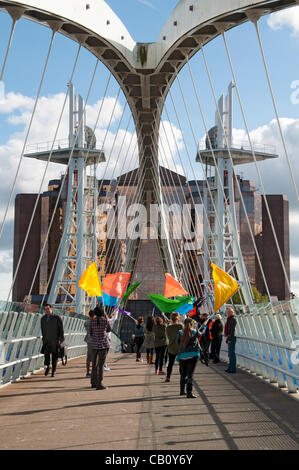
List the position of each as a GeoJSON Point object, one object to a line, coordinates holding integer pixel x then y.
{"type": "Point", "coordinates": [78, 246]}
{"type": "Point", "coordinates": [220, 222]}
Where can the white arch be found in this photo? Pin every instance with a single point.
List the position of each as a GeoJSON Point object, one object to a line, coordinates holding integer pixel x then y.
{"type": "Point", "coordinates": [96, 18]}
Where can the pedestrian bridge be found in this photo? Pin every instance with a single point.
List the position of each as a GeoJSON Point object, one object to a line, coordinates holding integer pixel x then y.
{"type": "Point", "coordinates": [257, 408]}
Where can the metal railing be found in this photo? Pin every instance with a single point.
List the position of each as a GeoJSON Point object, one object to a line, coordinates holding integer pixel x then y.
{"type": "Point", "coordinates": [21, 342]}
{"type": "Point", "coordinates": [245, 145]}
{"type": "Point", "coordinates": [268, 343]}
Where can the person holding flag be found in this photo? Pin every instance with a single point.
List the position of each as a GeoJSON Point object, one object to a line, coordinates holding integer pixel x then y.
{"type": "Point", "coordinates": [204, 325]}
{"type": "Point", "coordinates": [98, 329]}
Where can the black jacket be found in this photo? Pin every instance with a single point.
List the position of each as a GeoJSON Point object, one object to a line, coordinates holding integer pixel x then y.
{"type": "Point", "coordinates": [231, 326]}
{"type": "Point", "coordinates": [52, 333]}
{"type": "Point", "coordinates": [217, 329]}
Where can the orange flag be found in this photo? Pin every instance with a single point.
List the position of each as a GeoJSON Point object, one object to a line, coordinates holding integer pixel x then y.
{"type": "Point", "coordinates": [172, 287]}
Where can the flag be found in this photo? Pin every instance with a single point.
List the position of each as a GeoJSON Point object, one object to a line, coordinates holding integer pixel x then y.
{"type": "Point", "coordinates": [167, 305]}
{"type": "Point", "coordinates": [114, 286]}
{"type": "Point", "coordinates": [130, 290]}
{"type": "Point", "coordinates": [192, 312]}
{"type": "Point", "coordinates": [173, 287]}
{"type": "Point", "coordinates": [186, 308]}
{"type": "Point", "coordinates": [108, 300]}
{"type": "Point", "coordinates": [123, 312]}
{"type": "Point", "coordinates": [224, 288]}
{"type": "Point", "coordinates": [90, 281]}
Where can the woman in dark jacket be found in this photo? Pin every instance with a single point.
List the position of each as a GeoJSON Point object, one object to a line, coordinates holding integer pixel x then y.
{"type": "Point", "coordinates": [160, 343]}
{"type": "Point", "coordinates": [149, 339]}
{"type": "Point", "coordinates": [189, 353]}
{"type": "Point", "coordinates": [217, 333]}
{"type": "Point", "coordinates": [138, 336]}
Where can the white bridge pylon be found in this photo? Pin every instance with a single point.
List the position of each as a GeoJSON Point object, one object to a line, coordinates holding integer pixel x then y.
{"type": "Point", "coordinates": [220, 222]}
{"type": "Point", "coordinates": [78, 246]}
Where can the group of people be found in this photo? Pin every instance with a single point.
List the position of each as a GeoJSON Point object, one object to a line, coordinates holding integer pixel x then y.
{"type": "Point", "coordinates": [197, 338]}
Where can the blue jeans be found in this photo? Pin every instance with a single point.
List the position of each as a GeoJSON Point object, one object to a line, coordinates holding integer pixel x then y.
{"type": "Point", "coordinates": [232, 355]}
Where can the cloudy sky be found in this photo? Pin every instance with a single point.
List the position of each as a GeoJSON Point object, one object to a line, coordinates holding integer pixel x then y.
{"type": "Point", "coordinates": [280, 35]}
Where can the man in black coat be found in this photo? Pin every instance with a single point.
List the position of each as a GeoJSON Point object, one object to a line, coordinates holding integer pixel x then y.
{"type": "Point", "coordinates": [53, 335]}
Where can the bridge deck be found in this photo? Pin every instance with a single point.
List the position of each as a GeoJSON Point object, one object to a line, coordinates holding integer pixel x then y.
{"type": "Point", "coordinates": [139, 411]}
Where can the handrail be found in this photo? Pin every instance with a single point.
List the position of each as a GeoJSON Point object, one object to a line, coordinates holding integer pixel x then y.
{"type": "Point", "coordinates": [21, 342]}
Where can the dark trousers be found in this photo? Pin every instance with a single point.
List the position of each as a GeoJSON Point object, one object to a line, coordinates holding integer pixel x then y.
{"type": "Point", "coordinates": [138, 342]}
{"type": "Point", "coordinates": [150, 351]}
{"type": "Point", "coordinates": [98, 361]}
{"type": "Point", "coordinates": [160, 354]}
{"type": "Point", "coordinates": [205, 346]}
{"type": "Point", "coordinates": [215, 348]}
{"type": "Point", "coordinates": [232, 355]}
{"type": "Point", "coordinates": [187, 368]}
{"type": "Point", "coordinates": [47, 360]}
{"type": "Point", "coordinates": [171, 359]}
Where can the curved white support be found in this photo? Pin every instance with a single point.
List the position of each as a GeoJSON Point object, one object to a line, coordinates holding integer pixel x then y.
{"type": "Point", "coordinates": [96, 18]}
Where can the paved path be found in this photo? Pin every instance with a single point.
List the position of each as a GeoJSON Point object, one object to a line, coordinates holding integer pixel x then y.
{"type": "Point", "coordinates": [140, 411]}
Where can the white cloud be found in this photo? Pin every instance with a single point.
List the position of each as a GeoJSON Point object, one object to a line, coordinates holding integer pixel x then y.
{"type": "Point", "coordinates": [5, 261]}
{"type": "Point", "coordinates": [275, 173]}
{"type": "Point", "coordinates": [288, 18]}
{"type": "Point", "coordinates": [170, 144]}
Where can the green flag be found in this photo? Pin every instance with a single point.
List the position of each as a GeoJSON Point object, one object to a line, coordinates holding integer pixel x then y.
{"type": "Point", "coordinates": [130, 290]}
{"type": "Point", "coordinates": [167, 305]}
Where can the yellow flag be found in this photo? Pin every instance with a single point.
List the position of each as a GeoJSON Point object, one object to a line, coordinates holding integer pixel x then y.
{"type": "Point", "coordinates": [90, 281]}
{"type": "Point", "coordinates": [225, 286]}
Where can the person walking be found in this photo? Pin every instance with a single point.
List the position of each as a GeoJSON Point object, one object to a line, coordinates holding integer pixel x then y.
{"type": "Point", "coordinates": [229, 332]}
{"type": "Point", "coordinates": [189, 352]}
{"type": "Point", "coordinates": [138, 336]}
{"type": "Point", "coordinates": [100, 344]}
{"type": "Point", "coordinates": [204, 326]}
{"type": "Point", "coordinates": [87, 340]}
{"type": "Point", "coordinates": [149, 339]}
{"type": "Point", "coordinates": [111, 320]}
{"type": "Point", "coordinates": [160, 342]}
{"type": "Point", "coordinates": [172, 331]}
{"type": "Point", "coordinates": [52, 337]}
{"type": "Point", "coordinates": [217, 333]}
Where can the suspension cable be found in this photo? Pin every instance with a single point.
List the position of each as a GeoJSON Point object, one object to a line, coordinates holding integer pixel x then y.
{"type": "Point", "coordinates": [27, 133]}
{"type": "Point", "coordinates": [239, 188]}
{"type": "Point", "coordinates": [44, 174]}
{"type": "Point", "coordinates": [255, 22]}
{"type": "Point", "coordinates": [256, 165]}
{"type": "Point", "coordinates": [14, 21]}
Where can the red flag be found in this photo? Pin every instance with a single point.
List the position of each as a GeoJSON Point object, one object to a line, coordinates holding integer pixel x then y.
{"type": "Point", "coordinates": [116, 284]}
{"type": "Point", "coordinates": [192, 312]}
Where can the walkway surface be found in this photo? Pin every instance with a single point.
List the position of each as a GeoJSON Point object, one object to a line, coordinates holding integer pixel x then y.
{"type": "Point", "coordinates": [140, 411]}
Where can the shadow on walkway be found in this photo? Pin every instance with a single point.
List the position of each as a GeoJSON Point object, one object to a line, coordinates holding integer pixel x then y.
{"type": "Point", "coordinates": [140, 411]}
